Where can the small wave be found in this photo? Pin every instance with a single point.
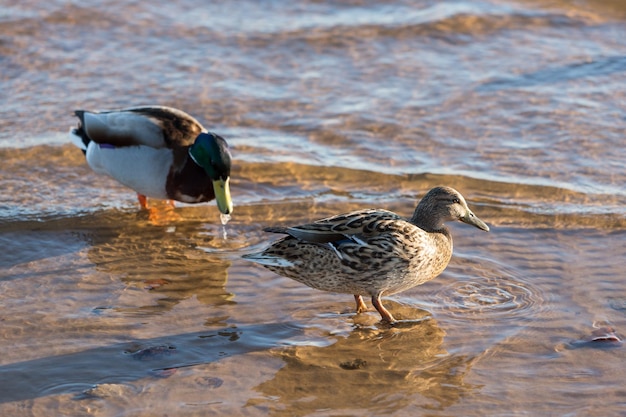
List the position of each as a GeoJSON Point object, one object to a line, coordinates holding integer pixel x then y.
{"type": "Point", "coordinates": [559, 74]}
{"type": "Point", "coordinates": [63, 186]}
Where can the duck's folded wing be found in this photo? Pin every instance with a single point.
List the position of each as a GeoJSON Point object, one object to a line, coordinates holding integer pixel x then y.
{"type": "Point", "coordinates": [157, 127]}
{"type": "Point", "coordinates": [350, 226]}
{"type": "Point", "coordinates": [318, 235]}
{"type": "Point", "coordinates": [121, 129]}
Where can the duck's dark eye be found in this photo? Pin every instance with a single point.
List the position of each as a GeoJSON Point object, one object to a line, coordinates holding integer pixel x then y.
{"type": "Point", "coordinates": [456, 201]}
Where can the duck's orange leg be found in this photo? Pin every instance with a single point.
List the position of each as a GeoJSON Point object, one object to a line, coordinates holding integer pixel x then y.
{"type": "Point", "coordinates": [386, 315]}
{"type": "Point", "coordinates": [160, 213]}
{"type": "Point", "coordinates": [143, 201]}
{"type": "Point", "coordinates": [360, 304]}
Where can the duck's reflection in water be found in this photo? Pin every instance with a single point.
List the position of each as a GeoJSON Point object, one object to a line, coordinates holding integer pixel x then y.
{"type": "Point", "coordinates": [164, 260]}
{"type": "Point", "coordinates": [372, 369]}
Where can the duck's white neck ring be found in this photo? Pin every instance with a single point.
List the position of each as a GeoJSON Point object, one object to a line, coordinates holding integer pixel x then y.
{"type": "Point", "coordinates": [192, 157]}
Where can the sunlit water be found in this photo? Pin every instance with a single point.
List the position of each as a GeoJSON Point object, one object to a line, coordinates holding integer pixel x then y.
{"type": "Point", "coordinates": [107, 310]}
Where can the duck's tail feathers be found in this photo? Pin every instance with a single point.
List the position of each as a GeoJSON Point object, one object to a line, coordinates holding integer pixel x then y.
{"type": "Point", "coordinates": [268, 260]}
{"type": "Point", "coordinates": [79, 140]}
{"type": "Point", "coordinates": [78, 135]}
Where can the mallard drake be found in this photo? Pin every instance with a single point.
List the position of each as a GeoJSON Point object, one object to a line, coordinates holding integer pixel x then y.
{"type": "Point", "coordinates": [370, 252]}
{"type": "Point", "coordinates": [160, 152]}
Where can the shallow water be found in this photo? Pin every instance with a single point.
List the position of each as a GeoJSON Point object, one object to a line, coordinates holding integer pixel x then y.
{"type": "Point", "coordinates": [109, 311]}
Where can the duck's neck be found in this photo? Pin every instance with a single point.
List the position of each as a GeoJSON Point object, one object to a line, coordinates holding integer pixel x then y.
{"type": "Point", "coordinates": [424, 219]}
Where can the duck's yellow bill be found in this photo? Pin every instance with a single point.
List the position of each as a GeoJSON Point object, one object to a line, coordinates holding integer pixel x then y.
{"type": "Point", "coordinates": [222, 195]}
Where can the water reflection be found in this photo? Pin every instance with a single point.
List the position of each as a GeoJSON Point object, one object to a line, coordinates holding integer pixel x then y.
{"type": "Point", "coordinates": [165, 260]}
{"type": "Point", "coordinates": [378, 370]}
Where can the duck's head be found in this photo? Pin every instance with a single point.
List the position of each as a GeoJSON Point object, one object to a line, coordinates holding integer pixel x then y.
{"type": "Point", "coordinates": [442, 204]}
{"type": "Point", "coordinates": [210, 151]}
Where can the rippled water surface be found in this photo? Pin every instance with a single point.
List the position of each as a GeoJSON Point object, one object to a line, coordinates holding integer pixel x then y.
{"type": "Point", "coordinates": [107, 310]}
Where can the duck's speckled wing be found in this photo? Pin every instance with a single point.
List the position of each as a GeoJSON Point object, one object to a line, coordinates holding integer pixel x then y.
{"type": "Point", "coordinates": [360, 240]}
{"type": "Point", "coordinates": [345, 226]}
{"type": "Point", "coordinates": [157, 127]}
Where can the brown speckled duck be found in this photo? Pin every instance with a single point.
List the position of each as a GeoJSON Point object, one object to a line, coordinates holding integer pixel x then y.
{"type": "Point", "coordinates": [160, 152]}
{"type": "Point", "coordinates": [370, 252]}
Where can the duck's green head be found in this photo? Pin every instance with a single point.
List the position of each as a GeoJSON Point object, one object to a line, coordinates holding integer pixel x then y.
{"type": "Point", "coordinates": [210, 151]}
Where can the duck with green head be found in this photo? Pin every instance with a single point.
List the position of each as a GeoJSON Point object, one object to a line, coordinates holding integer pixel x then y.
{"type": "Point", "coordinates": [159, 152]}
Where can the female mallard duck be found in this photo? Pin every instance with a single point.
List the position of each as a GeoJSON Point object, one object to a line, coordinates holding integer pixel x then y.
{"type": "Point", "coordinates": [160, 152]}
{"type": "Point", "coordinates": [370, 252]}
